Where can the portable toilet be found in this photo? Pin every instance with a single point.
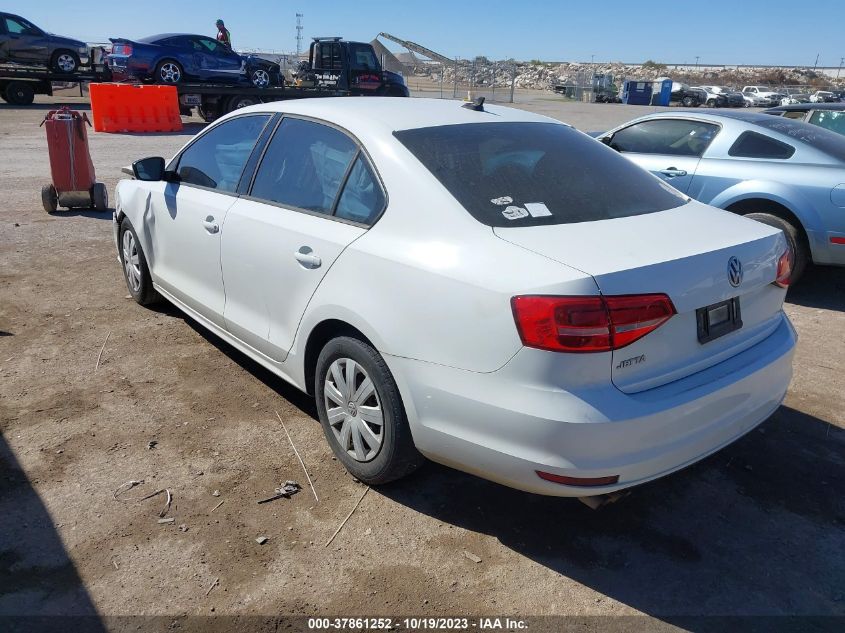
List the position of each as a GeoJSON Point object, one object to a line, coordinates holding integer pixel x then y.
{"type": "Point", "coordinates": [636, 92]}
{"type": "Point", "coordinates": [661, 91]}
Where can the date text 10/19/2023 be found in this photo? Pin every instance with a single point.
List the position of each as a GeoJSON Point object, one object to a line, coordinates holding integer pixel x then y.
{"type": "Point", "coordinates": [416, 624]}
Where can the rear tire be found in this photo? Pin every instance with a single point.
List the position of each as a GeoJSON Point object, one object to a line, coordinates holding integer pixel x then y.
{"type": "Point", "coordinates": [794, 237]}
{"type": "Point", "coordinates": [65, 62]}
{"type": "Point", "coordinates": [137, 273]}
{"type": "Point", "coordinates": [373, 453]}
{"type": "Point", "coordinates": [49, 198]}
{"type": "Point", "coordinates": [100, 196]}
{"type": "Point", "coordinates": [241, 101]}
{"type": "Point", "coordinates": [208, 114]}
{"type": "Point", "coordinates": [169, 72]}
{"type": "Point", "coordinates": [19, 93]}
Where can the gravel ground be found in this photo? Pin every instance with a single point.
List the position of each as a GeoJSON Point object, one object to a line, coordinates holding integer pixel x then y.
{"type": "Point", "coordinates": [756, 529]}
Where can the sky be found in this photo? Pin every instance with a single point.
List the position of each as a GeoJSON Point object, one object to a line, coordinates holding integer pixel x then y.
{"type": "Point", "coordinates": [772, 32]}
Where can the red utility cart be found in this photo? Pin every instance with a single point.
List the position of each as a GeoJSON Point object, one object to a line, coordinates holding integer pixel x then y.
{"type": "Point", "coordinates": [74, 181]}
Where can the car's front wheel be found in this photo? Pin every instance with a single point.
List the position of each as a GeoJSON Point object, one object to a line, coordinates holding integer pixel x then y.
{"type": "Point", "coordinates": [135, 269]}
{"type": "Point", "coordinates": [65, 62]}
{"type": "Point", "coordinates": [169, 72]}
{"type": "Point", "coordinates": [362, 414]}
{"type": "Point", "coordinates": [260, 78]}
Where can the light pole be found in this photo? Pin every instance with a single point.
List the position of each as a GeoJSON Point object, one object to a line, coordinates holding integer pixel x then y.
{"type": "Point", "coordinates": [696, 62]}
{"type": "Point", "coordinates": [838, 70]}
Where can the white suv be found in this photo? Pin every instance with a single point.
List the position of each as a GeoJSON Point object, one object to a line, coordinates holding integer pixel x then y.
{"type": "Point", "coordinates": [762, 95]}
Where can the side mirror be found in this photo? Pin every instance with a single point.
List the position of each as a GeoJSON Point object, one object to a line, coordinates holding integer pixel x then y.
{"type": "Point", "coordinates": [150, 169]}
{"type": "Point", "coordinates": [606, 140]}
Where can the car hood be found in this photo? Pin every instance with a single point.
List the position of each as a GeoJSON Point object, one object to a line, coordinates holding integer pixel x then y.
{"type": "Point", "coordinates": [67, 41]}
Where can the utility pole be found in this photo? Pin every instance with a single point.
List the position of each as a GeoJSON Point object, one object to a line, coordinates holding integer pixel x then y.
{"type": "Point", "coordinates": [817, 62]}
{"type": "Point", "coordinates": [838, 70]}
{"type": "Point", "coordinates": [299, 17]}
{"type": "Point", "coordinates": [696, 62]}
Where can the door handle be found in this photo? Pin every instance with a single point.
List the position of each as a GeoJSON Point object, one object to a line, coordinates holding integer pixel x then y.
{"type": "Point", "coordinates": [671, 172]}
{"type": "Point", "coordinates": [210, 225]}
{"type": "Point", "coordinates": [307, 258]}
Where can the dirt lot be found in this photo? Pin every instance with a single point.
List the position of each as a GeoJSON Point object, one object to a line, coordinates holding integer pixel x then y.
{"type": "Point", "coordinates": [757, 529]}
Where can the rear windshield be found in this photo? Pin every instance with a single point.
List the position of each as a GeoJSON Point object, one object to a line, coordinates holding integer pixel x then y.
{"type": "Point", "coordinates": [531, 174]}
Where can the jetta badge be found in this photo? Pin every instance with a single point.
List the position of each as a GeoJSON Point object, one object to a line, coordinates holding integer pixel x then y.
{"type": "Point", "coordinates": [734, 271]}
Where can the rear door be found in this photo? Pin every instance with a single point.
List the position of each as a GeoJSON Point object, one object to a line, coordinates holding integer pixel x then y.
{"type": "Point", "coordinates": [668, 148]}
{"type": "Point", "coordinates": [188, 215]}
{"type": "Point", "coordinates": [313, 194]}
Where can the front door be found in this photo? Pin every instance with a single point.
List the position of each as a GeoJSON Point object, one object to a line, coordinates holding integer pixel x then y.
{"type": "Point", "coordinates": [26, 42]}
{"type": "Point", "coordinates": [313, 195]}
{"type": "Point", "coordinates": [668, 148]}
{"type": "Point", "coordinates": [189, 214]}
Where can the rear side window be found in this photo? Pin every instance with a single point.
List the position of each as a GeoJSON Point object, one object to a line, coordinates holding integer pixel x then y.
{"type": "Point", "coordinates": [672, 137]}
{"type": "Point", "coordinates": [304, 166]}
{"type": "Point", "coordinates": [217, 158]}
{"type": "Point", "coordinates": [362, 198]}
{"type": "Point", "coordinates": [754, 145]}
{"type": "Point", "coordinates": [531, 174]}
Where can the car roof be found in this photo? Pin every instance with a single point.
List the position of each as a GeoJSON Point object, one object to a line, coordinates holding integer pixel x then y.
{"type": "Point", "coordinates": [152, 39]}
{"type": "Point", "coordinates": [362, 114]}
{"type": "Point", "coordinates": [806, 107]}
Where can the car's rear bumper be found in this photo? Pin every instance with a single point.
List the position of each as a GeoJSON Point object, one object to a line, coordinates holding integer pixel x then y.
{"type": "Point", "coordinates": [509, 424]}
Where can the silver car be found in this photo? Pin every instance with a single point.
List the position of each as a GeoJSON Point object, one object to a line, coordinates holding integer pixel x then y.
{"type": "Point", "coordinates": [779, 171]}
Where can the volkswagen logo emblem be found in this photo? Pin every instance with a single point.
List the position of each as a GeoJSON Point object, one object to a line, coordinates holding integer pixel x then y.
{"type": "Point", "coordinates": [734, 271]}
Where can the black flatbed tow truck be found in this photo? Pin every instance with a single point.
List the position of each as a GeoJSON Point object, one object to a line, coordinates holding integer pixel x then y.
{"type": "Point", "coordinates": [335, 68]}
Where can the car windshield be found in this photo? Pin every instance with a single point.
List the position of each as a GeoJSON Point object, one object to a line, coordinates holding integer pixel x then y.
{"type": "Point", "coordinates": [530, 174]}
{"type": "Point", "coordinates": [821, 139]}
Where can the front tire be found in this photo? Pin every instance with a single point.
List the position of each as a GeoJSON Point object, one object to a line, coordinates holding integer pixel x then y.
{"type": "Point", "coordinates": [260, 78]}
{"type": "Point", "coordinates": [169, 72]}
{"type": "Point", "coordinates": [65, 62]}
{"type": "Point", "coordinates": [362, 414]}
{"type": "Point", "coordinates": [136, 273]}
{"type": "Point", "coordinates": [688, 102]}
{"type": "Point", "coordinates": [794, 238]}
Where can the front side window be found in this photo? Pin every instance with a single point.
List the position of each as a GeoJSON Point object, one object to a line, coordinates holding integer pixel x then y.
{"type": "Point", "coordinates": [363, 57]}
{"type": "Point", "coordinates": [19, 26]}
{"type": "Point", "coordinates": [754, 145]}
{"type": "Point", "coordinates": [304, 166]}
{"type": "Point", "coordinates": [531, 174]}
{"type": "Point", "coordinates": [217, 158]}
{"type": "Point", "coordinates": [211, 46]}
{"type": "Point", "coordinates": [672, 137]}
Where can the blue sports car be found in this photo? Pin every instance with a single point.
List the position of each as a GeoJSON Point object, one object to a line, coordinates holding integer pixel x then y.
{"type": "Point", "coordinates": [174, 58]}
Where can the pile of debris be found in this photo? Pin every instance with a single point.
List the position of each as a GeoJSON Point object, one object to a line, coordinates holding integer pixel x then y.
{"type": "Point", "coordinates": [545, 76]}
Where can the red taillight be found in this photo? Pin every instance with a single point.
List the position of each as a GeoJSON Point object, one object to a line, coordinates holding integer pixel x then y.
{"type": "Point", "coordinates": [784, 269]}
{"type": "Point", "coordinates": [121, 49]}
{"type": "Point", "coordinates": [588, 324]}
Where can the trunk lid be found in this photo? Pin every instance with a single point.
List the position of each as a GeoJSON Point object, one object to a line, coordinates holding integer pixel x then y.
{"type": "Point", "coordinates": [684, 253]}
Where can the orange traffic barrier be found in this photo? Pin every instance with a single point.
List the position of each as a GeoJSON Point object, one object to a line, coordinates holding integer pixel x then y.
{"type": "Point", "coordinates": [134, 108]}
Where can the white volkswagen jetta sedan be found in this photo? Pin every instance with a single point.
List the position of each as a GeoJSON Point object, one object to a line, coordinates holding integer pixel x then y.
{"type": "Point", "coordinates": [482, 286]}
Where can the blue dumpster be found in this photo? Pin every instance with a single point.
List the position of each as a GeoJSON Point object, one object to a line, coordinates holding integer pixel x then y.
{"type": "Point", "coordinates": [661, 92]}
{"type": "Point", "coordinates": [636, 92]}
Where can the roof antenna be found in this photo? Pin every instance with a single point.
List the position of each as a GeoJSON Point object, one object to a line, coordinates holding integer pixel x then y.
{"type": "Point", "coordinates": [476, 104]}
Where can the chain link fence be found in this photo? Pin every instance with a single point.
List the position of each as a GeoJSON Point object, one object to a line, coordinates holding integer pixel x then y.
{"type": "Point", "coordinates": [465, 79]}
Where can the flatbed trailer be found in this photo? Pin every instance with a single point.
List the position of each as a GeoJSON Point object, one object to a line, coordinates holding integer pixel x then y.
{"type": "Point", "coordinates": [214, 100]}
{"type": "Point", "coordinates": [20, 84]}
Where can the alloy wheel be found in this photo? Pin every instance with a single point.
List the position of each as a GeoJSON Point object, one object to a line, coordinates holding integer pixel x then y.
{"type": "Point", "coordinates": [131, 262]}
{"type": "Point", "coordinates": [66, 62]}
{"type": "Point", "coordinates": [260, 78]}
{"type": "Point", "coordinates": [170, 73]}
{"type": "Point", "coordinates": [354, 410]}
